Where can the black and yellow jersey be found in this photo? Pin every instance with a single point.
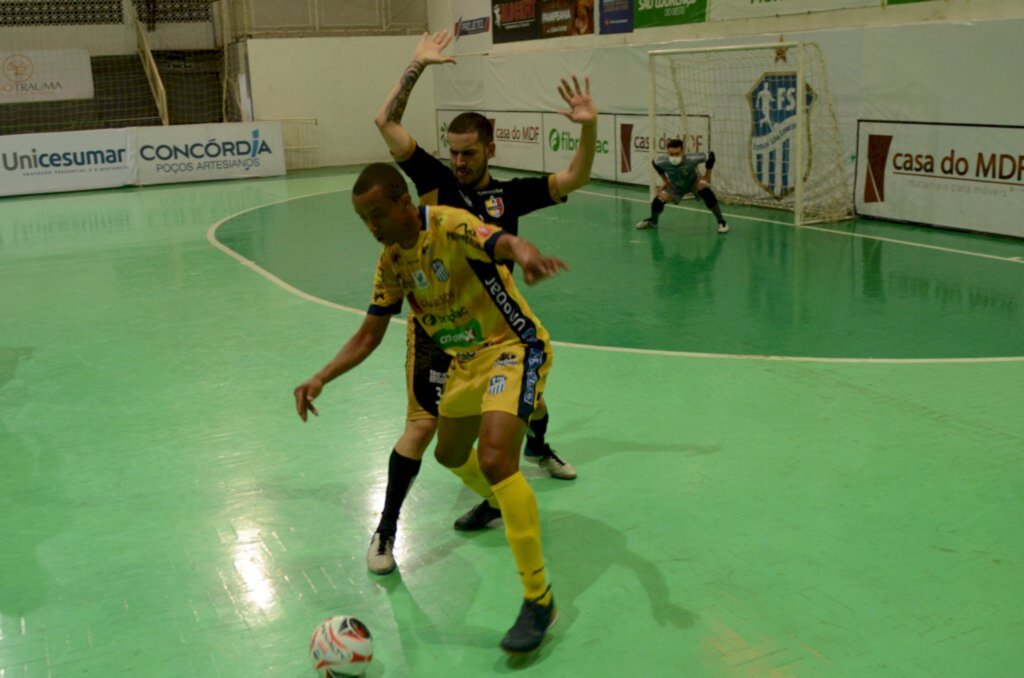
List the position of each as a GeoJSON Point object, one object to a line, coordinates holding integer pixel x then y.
{"type": "Point", "coordinates": [500, 202]}
{"type": "Point", "coordinates": [461, 296]}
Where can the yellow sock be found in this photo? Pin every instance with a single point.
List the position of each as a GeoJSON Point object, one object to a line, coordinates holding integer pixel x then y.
{"type": "Point", "coordinates": [473, 477]}
{"type": "Point", "coordinates": [522, 529]}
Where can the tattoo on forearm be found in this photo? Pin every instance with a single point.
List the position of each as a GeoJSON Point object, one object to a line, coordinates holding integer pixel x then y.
{"type": "Point", "coordinates": [396, 107]}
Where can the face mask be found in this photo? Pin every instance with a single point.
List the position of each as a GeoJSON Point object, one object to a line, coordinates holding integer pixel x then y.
{"type": "Point", "coordinates": [675, 159]}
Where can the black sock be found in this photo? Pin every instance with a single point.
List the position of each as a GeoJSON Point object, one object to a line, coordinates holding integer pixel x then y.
{"type": "Point", "coordinates": [711, 201]}
{"type": "Point", "coordinates": [401, 472]}
{"type": "Point", "coordinates": [657, 207]}
{"type": "Point", "coordinates": [535, 434]}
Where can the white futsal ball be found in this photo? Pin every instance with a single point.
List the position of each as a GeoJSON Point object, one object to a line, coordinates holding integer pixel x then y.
{"type": "Point", "coordinates": [341, 646]}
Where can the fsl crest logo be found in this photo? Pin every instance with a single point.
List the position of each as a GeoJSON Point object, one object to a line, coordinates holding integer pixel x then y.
{"type": "Point", "coordinates": [773, 101]}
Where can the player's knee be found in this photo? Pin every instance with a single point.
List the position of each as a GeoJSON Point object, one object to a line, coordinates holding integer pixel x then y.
{"type": "Point", "coordinates": [708, 196]}
{"type": "Point", "coordinates": [416, 437]}
{"type": "Point", "coordinates": [496, 461]}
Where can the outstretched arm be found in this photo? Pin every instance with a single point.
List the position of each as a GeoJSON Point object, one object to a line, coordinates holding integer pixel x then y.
{"type": "Point", "coordinates": [583, 111]}
{"type": "Point", "coordinates": [535, 265]}
{"type": "Point", "coordinates": [389, 117]}
{"type": "Point", "coordinates": [366, 339]}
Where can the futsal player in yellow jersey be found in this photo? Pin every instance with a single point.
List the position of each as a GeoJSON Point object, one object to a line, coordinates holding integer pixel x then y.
{"type": "Point", "coordinates": [445, 263]}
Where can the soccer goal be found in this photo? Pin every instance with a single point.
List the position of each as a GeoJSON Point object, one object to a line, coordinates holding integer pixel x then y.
{"type": "Point", "coordinates": [741, 103]}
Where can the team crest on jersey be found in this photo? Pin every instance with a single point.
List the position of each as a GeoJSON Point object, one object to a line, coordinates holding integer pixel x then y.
{"type": "Point", "coordinates": [497, 384]}
{"type": "Point", "coordinates": [506, 360]}
{"type": "Point", "coordinates": [420, 278]}
{"type": "Point", "coordinates": [495, 206]}
{"type": "Point", "coordinates": [773, 102]}
{"type": "Point", "coordinates": [439, 270]}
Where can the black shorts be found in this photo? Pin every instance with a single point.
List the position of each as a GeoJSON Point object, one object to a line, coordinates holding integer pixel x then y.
{"type": "Point", "coordinates": [426, 368]}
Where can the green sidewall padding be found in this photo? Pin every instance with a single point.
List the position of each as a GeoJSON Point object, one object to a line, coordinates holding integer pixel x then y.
{"type": "Point", "coordinates": [763, 289]}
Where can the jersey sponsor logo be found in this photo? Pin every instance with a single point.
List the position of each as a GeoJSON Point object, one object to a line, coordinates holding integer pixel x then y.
{"type": "Point", "coordinates": [462, 233]}
{"type": "Point", "coordinates": [508, 307]}
{"type": "Point", "coordinates": [495, 206]}
{"type": "Point", "coordinates": [439, 270]}
{"type": "Point", "coordinates": [463, 335]}
{"type": "Point", "coordinates": [443, 299]}
{"type": "Point", "coordinates": [497, 384]}
{"type": "Point", "coordinates": [420, 278]}
{"type": "Point", "coordinates": [438, 377]}
{"type": "Point", "coordinates": [773, 108]}
{"type": "Point", "coordinates": [507, 360]}
{"type": "Point", "coordinates": [431, 319]}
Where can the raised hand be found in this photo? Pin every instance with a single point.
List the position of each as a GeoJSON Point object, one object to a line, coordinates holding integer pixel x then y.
{"type": "Point", "coordinates": [581, 106]}
{"type": "Point", "coordinates": [429, 50]}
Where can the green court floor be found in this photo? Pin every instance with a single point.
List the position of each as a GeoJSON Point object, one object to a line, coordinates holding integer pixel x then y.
{"type": "Point", "coordinates": [800, 451]}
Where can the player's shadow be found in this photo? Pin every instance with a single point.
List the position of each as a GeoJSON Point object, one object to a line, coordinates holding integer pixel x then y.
{"type": "Point", "coordinates": [581, 549]}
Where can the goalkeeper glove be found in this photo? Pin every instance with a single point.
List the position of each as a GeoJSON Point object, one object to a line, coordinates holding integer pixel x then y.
{"type": "Point", "coordinates": [710, 161]}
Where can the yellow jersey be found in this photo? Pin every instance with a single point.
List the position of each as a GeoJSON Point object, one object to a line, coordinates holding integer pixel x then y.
{"type": "Point", "coordinates": [463, 298]}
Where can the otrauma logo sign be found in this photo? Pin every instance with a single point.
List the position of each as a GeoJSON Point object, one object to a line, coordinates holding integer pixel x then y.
{"type": "Point", "coordinates": [773, 101]}
{"type": "Point", "coordinates": [18, 68]}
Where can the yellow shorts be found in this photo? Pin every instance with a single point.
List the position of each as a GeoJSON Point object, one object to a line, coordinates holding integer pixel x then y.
{"type": "Point", "coordinates": [426, 367]}
{"type": "Point", "coordinates": [508, 378]}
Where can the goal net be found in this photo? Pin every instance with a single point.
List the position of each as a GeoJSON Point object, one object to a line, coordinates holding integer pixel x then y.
{"type": "Point", "coordinates": [741, 103]}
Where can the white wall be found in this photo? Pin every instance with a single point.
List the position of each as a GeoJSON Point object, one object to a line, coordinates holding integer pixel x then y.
{"type": "Point", "coordinates": [342, 82]}
{"type": "Point", "coordinates": [107, 40]}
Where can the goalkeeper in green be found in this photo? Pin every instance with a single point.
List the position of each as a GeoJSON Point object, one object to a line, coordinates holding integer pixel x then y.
{"type": "Point", "coordinates": [679, 174]}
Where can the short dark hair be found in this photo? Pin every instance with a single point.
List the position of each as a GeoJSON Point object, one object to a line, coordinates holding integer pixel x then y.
{"type": "Point", "coordinates": [473, 122]}
{"type": "Point", "coordinates": [384, 175]}
{"type": "Point", "coordinates": [675, 143]}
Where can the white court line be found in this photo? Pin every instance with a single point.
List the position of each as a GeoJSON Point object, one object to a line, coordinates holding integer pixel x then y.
{"type": "Point", "coordinates": [211, 236]}
{"type": "Point", "coordinates": [1013, 260]}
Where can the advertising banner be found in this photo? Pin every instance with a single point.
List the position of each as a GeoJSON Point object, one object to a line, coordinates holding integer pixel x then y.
{"type": "Point", "coordinates": [959, 176]}
{"type": "Point", "coordinates": [66, 161]}
{"type": "Point", "coordinates": [45, 75]}
{"type": "Point", "coordinates": [472, 30]}
{"type": "Point", "coordinates": [561, 140]}
{"type": "Point", "coordinates": [566, 17]}
{"type": "Point", "coordinates": [616, 16]}
{"type": "Point", "coordinates": [518, 140]}
{"type": "Point", "coordinates": [745, 9]}
{"type": "Point", "coordinates": [633, 136]}
{"type": "Point", "coordinates": [515, 20]}
{"type": "Point", "coordinates": [212, 151]}
{"type": "Point", "coordinates": [651, 13]}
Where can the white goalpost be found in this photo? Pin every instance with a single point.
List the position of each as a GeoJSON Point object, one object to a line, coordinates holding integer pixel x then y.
{"type": "Point", "coordinates": [742, 103]}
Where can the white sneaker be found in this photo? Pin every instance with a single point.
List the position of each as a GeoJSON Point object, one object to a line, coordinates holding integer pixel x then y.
{"type": "Point", "coordinates": [380, 557]}
{"type": "Point", "coordinates": [646, 223]}
{"type": "Point", "coordinates": [551, 462]}
{"type": "Point", "coordinates": [723, 228]}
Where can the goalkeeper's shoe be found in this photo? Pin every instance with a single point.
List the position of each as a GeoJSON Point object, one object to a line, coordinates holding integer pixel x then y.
{"type": "Point", "coordinates": [723, 227]}
{"type": "Point", "coordinates": [646, 223]}
{"type": "Point", "coordinates": [531, 626]}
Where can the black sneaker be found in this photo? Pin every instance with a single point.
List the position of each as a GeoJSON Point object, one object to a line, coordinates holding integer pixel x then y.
{"type": "Point", "coordinates": [531, 625]}
{"type": "Point", "coordinates": [477, 518]}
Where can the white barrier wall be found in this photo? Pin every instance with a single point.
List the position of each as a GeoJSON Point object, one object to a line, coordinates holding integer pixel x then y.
{"type": "Point", "coordinates": [956, 74]}
{"type": "Point", "coordinates": [76, 161]}
{"type": "Point", "coordinates": [341, 82]}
